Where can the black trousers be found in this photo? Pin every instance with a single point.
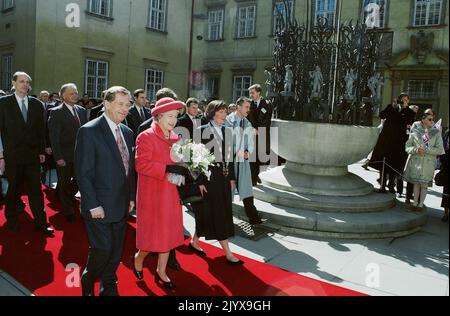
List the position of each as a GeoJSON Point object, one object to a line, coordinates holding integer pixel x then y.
{"type": "Point", "coordinates": [106, 247]}
{"type": "Point", "coordinates": [19, 175]}
{"type": "Point", "coordinates": [409, 188]}
{"type": "Point", "coordinates": [250, 209]}
{"type": "Point", "coordinates": [66, 188]}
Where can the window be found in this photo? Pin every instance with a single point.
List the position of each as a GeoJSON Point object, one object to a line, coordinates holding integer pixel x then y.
{"type": "Point", "coordinates": [96, 80]}
{"type": "Point", "coordinates": [427, 12]}
{"type": "Point", "coordinates": [215, 24]}
{"type": "Point", "coordinates": [279, 12]}
{"type": "Point", "coordinates": [100, 7]}
{"type": "Point", "coordinates": [212, 86]}
{"type": "Point", "coordinates": [7, 72]}
{"type": "Point", "coordinates": [157, 15]}
{"type": "Point", "coordinates": [421, 89]}
{"type": "Point", "coordinates": [375, 12]}
{"type": "Point", "coordinates": [240, 86]}
{"type": "Point", "coordinates": [325, 9]}
{"type": "Point", "coordinates": [7, 5]}
{"type": "Point", "coordinates": [154, 81]}
{"type": "Point", "coordinates": [246, 22]}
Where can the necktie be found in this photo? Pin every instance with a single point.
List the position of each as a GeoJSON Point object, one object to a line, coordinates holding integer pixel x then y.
{"type": "Point", "coordinates": [123, 150]}
{"type": "Point", "coordinates": [24, 111]}
{"type": "Point", "coordinates": [142, 115]}
{"type": "Point", "coordinates": [75, 116]}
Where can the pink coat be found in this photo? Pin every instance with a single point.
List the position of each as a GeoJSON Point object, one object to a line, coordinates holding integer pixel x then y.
{"type": "Point", "coordinates": [159, 212]}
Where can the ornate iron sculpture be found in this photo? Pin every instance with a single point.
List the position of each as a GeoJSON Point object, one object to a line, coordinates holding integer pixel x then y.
{"type": "Point", "coordinates": [322, 73]}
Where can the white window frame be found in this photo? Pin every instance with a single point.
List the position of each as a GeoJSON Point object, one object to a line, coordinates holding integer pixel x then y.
{"type": "Point", "coordinates": [157, 15]}
{"type": "Point", "coordinates": [243, 89]}
{"type": "Point", "coordinates": [7, 4]}
{"type": "Point", "coordinates": [428, 4]}
{"type": "Point", "coordinates": [101, 7]}
{"type": "Point", "coordinates": [6, 72]}
{"type": "Point", "coordinates": [383, 12]}
{"type": "Point", "coordinates": [216, 20]}
{"type": "Point", "coordinates": [422, 93]}
{"type": "Point", "coordinates": [153, 86]}
{"type": "Point", "coordinates": [97, 87]}
{"type": "Point", "coordinates": [327, 12]}
{"type": "Point", "coordinates": [275, 14]}
{"type": "Point", "coordinates": [246, 21]}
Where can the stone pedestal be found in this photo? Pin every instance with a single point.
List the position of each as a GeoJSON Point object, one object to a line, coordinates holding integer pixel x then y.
{"type": "Point", "coordinates": [316, 186]}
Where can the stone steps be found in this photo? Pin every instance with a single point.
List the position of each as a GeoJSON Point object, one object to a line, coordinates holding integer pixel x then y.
{"type": "Point", "coordinates": [392, 223]}
{"type": "Point", "coordinates": [373, 202]}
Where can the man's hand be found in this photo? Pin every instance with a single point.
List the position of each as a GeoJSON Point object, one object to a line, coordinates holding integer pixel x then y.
{"type": "Point", "coordinates": [2, 166]}
{"type": "Point", "coordinates": [203, 190]}
{"type": "Point", "coordinates": [61, 163]}
{"type": "Point", "coordinates": [131, 207]}
{"type": "Point", "coordinates": [98, 213]}
{"type": "Point", "coordinates": [41, 158]}
{"type": "Point", "coordinates": [48, 151]}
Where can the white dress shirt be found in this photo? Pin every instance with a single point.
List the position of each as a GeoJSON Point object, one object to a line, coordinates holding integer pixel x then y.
{"type": "Point", "coordinates": [19, 101]}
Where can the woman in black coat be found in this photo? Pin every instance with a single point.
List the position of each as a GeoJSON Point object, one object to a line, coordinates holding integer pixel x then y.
{"type": "Point", "coordinates": [215, 214]}
{"type": "Point", "coordinates": [391, 143]}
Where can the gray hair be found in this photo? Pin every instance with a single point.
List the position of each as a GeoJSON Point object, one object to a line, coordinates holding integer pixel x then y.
{"type": "Point", "coordinates": [65, 87]}
{"type": "Point", "coordinates": [110, 94]}
{"type": "Point", "coordinates": [44, 92]}
{"type": "Point", "coordinates": [21, 73]}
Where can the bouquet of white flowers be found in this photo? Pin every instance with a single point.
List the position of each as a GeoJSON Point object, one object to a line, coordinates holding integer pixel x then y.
{"type": "Point", "coordinates": [195, 157]}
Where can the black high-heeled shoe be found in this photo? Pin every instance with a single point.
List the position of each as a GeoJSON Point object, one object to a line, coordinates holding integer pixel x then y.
{"type": "Point", "coordinates": [168, 285]}
{"type": "Point", "coordinates": [139, 274]}
{"type": "Point", "coordinates": [198, 252]}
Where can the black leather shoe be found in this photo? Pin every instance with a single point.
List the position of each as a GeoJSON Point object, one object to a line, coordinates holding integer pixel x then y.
{"type": "Point", "coordinates": [45, 229]}
{"type": "Point", "coordinates": [174, 265]}
{"type": "Point", "coordinates": [237, 263]}
{"type": "Point", "coordinates": [139, 274]}
{"type": "Point", "coordinates": [87, 286]}
{"type": "Point", "coordinates": [198, 252]}
{"type": "Point", "coordinates": [168, 285]}
{"type": "Point", "coordinates": [258, 180]}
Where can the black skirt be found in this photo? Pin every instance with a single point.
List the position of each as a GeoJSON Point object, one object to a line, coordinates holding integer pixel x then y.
{"type": "Point", "coordinates": [214, 215]}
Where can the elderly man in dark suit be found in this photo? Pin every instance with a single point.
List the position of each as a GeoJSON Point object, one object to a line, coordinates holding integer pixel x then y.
{"type": "Point", "coordinates": [260, 117]}
{"type": "Point", "coordinates": [138, 112]}
{"type": "Point", "coordinates": [104, 169]}
{"type": "Point", "coordinates": [63, 124]}
{"type": "Point", "coordinates": [23, 138]}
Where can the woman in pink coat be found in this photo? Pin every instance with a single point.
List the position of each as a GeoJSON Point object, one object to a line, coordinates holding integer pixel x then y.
{"type": "Point", "coordinates": [159, 212]}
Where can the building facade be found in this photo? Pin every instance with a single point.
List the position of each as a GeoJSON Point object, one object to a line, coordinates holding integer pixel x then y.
{"type": "Point", "coordinates": [136, 44]}
{"type": "Point", "coordinates": [209, 48]}
{"type": "Point", "coordinates": [234, 43]}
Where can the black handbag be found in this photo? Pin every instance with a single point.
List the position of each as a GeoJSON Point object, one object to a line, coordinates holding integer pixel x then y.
{"type": "Point", "coordinates": [190, 193]}
{"type": "Point", "coordinates": [440, 179]}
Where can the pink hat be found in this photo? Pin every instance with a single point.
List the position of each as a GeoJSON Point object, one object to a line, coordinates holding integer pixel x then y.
{"type": "Point", "coordinates": [166, 105]}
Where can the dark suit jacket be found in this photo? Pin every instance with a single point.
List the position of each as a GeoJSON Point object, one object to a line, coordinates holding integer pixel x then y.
{"type": "Point", "coordinates": [262, 117]}
{"type": "Point", "coordinates": [186, 122]}
{"type": "Point", "coordinates": [63, 129]}
{"type": "Point", "coordinates": [134, 119]}
{"type": "Point", "coordinates": [145, 126]}
{"type": "Point", "coordinates": [95, 112]}
{"type": "Point", "coordinates": [100, 172]}
{"type": "Point", "coordinates": [22, 142]}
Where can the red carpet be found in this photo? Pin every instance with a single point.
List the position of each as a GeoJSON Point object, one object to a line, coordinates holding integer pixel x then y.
{"type": "Point", "coordinates": [40, 265]}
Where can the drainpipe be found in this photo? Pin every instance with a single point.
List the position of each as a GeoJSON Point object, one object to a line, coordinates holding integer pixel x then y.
{"type": "Point", "coordinates": [190, 50]}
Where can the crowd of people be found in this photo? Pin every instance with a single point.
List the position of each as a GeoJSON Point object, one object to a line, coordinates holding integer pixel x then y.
{"type": "Point", "coordinates": [409, 149]}
{"type": "Point", "coordinates": [117, 154]}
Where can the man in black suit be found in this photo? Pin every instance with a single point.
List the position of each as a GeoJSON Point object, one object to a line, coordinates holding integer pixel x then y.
{"type": "Point", "coordinates": [63, 124]}
{"type": "Point", "coordinates": [138, 112]}
{"type": "Point", "coordinates": [104, 169]}
{"type": "Point", "coordinates": [23, 138]}
{"type": "Point", "coordinates": [163, 93]}
{"type": "Point", "coordinates": [261, 118]}
{"type": "Point", "coordinates": [189, 121]}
